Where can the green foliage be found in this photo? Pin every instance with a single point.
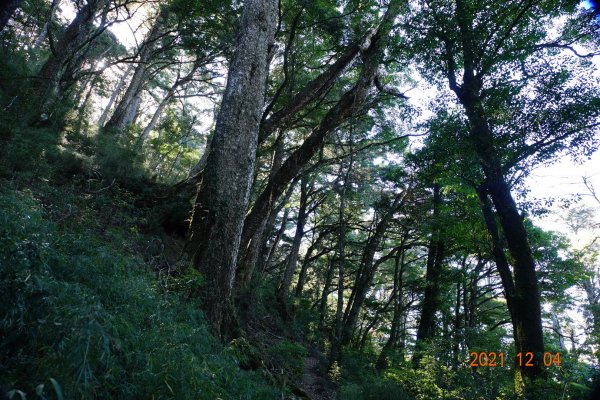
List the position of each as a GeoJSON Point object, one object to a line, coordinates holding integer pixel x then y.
{"type": "Point", "coordinates": [174, 151]}
{"type": "Point", "coordinates": [117, 159]}
{"type": "Point", "coordinates": [82, 314]}
{"type": "Point", "coordinates": [288, 355]}
{"type": "Point", "coordinates": [77, 307]}
{"type": "Point", "coordinates": [379, 390]}
{"type": "Point", "coordinates": [360, 381]}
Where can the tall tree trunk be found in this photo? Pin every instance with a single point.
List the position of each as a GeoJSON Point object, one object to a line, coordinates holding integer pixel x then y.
{"type": "Point", "coordinates": [336, 343]}
{"type": "Point", "coordinates": [271, 249]}
{"type": "Point", "coordinates": [367, 271]}
{"type": "Point", "coordinates": [44, 31]}
{"type": "Point", "coordinates": [155, 117]}
{"type": "Point", "coordinates": [364, 333]}
{"type": "Point", "coordinates": [348, 105]}
{"type": "Point", "coordinates": [558, 331]}
{"type": "Point", "coordinates": [457, 337]}
{"type": "Point", "coordinates": [250, 256]}
{"type": "Point", "coordinates": [65, 58]}
{"type": "Point", "coordinates": [500, 259]}
{"type": "Point", "coordinates": [325, 294]}
{"type": "Point", "coordinates": [382, 361]}
{"type": "Point", "coordinates": [7, 9]}
{"type": "Point", "coordinates": [126, 108]}
{"type": "Point", "coordinates": [431, 298]}
{"type": "Point", "coordinates": [526, 299]}
{"type": "Point", "coordinates": [88, 89]}
{"type": "Point", "coordinates": [292, 259]}
{"type": "Point", "coordinates": [593, 306]}
{"type": "Point", "coordinates": [309, 258]}
{"type": "Point", "coordinates": [529, 333]}
{"type": "Point", "coordinates": [115, 93]}
{"type": "Point", "coordinates": [304, 271]}
{"type": "Point", "coordinates": [218, 216]}
{"type": "Point", "coordinates": [503, 267]}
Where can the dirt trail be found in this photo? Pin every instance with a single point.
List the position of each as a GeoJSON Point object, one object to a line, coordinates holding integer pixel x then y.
{"type": "Point", "coordinates": [314, 383]}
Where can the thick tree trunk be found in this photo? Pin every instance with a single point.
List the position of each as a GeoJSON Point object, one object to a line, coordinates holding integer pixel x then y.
{"type": "Point", "coordinates": [529, 332]}
{"type": "Point", "coordinates": [218, 216]}
{"type": "Point", "coordinates": [513, 303]}
{"type": "Point", "coordinates": [7, 9]}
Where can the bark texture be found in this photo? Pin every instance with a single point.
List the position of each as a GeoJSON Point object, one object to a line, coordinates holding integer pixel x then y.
{"type": "Point", "coordinates": [218, 216]}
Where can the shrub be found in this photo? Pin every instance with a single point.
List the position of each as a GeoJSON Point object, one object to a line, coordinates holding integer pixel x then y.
{"type": "Point", "coordinates": [77, 306]}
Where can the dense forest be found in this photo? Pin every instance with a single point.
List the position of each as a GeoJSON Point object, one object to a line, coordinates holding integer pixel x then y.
{"type": "Point", "coordinates": [298, 199]}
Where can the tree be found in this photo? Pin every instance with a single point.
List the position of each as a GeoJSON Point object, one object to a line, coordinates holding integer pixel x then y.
{"type": "Point", "coordinates": [128, 106]}
{"type": "Point", "coordinates": [476, 44]}
{"type": "Point", "coordinates": [68, 53]}
{"type": "Point", "coordinates": [217, 220]}
{"type": "Point", "coordinates": [348, 105]}
{"type": "Point", "coordinates": [433, 275]}
{"type": "Point", "coordinates": [6, 11]}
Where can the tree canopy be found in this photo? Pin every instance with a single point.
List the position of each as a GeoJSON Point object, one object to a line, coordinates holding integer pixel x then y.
{"type": "Point", "coordinates": [297, 199]}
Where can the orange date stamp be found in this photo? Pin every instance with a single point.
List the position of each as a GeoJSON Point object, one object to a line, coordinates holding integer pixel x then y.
{"type": "Point", "coordinates": [496, 359]}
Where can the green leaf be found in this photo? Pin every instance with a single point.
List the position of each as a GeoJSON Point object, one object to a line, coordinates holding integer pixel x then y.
{"type": "Point", "coordinates": [57, 389]}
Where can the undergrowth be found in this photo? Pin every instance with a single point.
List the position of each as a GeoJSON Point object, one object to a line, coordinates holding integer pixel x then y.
{"type": "Point", "coordinates": [80, 307]}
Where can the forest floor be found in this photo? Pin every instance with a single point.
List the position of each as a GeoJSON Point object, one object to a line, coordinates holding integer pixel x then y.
{"type": "Point", "coordinates": [314, 381]}
{"type": "Point", "coordinates": [100, 268]}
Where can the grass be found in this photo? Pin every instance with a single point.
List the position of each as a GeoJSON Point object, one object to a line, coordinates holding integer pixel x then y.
{"type": "Point", "coordinates": [82, 310]}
